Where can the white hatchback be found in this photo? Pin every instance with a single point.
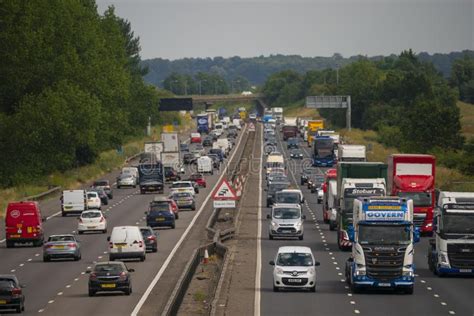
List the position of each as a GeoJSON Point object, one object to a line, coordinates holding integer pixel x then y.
{"type": "Point", "coordinates": [93, 200]}
{"type": "Point", "coordinates": [294, 268]}
{"type": "Point", "coordinates": [92, 220]}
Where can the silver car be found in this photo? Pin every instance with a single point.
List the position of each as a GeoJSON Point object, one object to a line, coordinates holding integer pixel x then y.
{"type": "Point", "coordinates": [286, 220]}
{"type": "Point", "coordinates": [126, 180]}
{"type": "Point", "coordinates": [62, 246]}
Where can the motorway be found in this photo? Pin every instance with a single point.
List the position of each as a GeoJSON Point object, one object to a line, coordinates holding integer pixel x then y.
{"type": "Point", "coordinates": [433, 295]}
{"type": "Point", "coordinates": [60, 287]}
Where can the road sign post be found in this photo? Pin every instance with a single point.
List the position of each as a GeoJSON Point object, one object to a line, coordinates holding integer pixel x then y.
{"type": "Point", "coordinates": [224, 196]}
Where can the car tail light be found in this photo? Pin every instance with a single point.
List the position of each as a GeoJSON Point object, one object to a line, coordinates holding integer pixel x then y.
{"type": "Point", "coordinates": [151, 238]}
{"type": "Point", "coordinates": [71, 245]}
{"type": "Point", "coordinates": [93, 276]}
{"type": "Point", "coordinates": [140, 244]}
{"type": "Point", "coordinates": [80, 220]}
{"type": "Point", "coordinates": [48, 246]}
{"type": "Point", "coordinates": [123, 276]}
{"type": "Point", "coordinates": [111, 244]}
{"type": "Point", "coordinates": [16, 292]}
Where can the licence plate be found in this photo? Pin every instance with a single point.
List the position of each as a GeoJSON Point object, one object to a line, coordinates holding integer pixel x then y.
{"type": "Point", "coordinates": [286, 231]}
{"type": "Point", "coordinates": [160, 219]}
{"type": "Point", "coordinates": [58, 247]}
{"type": "Point", "coordinates": [465, 270]}
{"type": "Point", "coordinates": [14, 236]}
{"type": "Point", "coordinates": [92, 227]}
{"type": "Point", "coordinates": [108, 286]}
{"type": "Point", "coordinates": [3, 302]}
{"type": "Point", "coordinates": [68, 207]}
{"type": "Point", "coordinates": [294, 280]}
{"type": "Point", "coordinates": [385, 284]}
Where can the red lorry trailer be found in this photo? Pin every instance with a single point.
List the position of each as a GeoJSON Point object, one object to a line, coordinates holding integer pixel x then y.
{"type": "Point", "coordinates": [289, 131]}
{"type": "Point", "coordinates": [413, 176]}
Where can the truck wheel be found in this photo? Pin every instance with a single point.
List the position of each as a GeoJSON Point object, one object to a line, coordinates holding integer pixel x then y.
{"type": "Point", "coordinates": [142, 192]}
{"type": "Point", "coordinates": [10, 244]}
{"type": "Point", "coordinates": [332, 226]}
{"type": "Point", "coordinates": [63, 214]}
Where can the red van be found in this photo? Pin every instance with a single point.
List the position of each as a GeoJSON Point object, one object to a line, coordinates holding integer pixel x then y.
{"type": "Point", "coordinates": [23, 223]}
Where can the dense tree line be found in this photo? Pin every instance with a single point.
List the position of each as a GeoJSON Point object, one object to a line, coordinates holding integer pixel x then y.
{"type": "Point", "coordinates": [406, 100]}
{"type": "Point", "coordinates": [204, 83]}
{"type": "Point", "coordinates": [258, 69]}
{"type": "Point", "coordinates": [70, 86]}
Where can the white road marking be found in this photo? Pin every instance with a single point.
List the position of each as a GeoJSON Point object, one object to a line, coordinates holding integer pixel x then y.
{"type": "Point", "coordinates": [353, 303]}
{"type": "Point", "coordinates": [60, 293]}
{"type": "Point", "coordinates": [443, 303]}
{"type": "Point", "coordinates": [41, 310]}
{"type": "Point", "coordinates": [37, 254]}
{"type": "Point", "coordinates": [51, 302]}
{"type": "Point", "coordinates": [258, 274]}
{"type": "Point", "coordinates": [22, 264]}
{"type": "Point", "coordinates": [180, 241]}
{"type": "Point", "coordinates": [12, 270]}
{"type": "Point", "coordinates": [452, 312]}
{"type": "Point", "coordinates": [29, 260]}
{"type": "Point", "coordinates": [68, 286]}
{"type": "Point", "coordinates": [349, 294]}
{"type": "Point", "coordinates": [422, 281]}
{"type": "Point", "coordinates": [356, 311]}
{"type": "Point", "coordinates": [428, 288]}
{"type": "Point", "coordinates": [436, 295]}
{"type": "Point", "coordinates": [76, 279]}
{"type": "Point", "coordinates": [337, 268]}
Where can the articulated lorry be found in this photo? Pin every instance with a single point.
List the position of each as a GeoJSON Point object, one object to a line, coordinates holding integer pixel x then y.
{"type": "Point", "coordinates": [452, 249]}
{"type": "Point", "coordinates": [277, 114]}
{"type": "Point", "coordinates": [383, 238]}
{"type": "Point", "coordinates": [356, 179]}
{"type": "Point", "coordinates": [290, 128]}
{"type": "Point", "coordinates": [323, 152]}
{"type": "Point", "coordinates": [351, 153]}
{"type": "Point", "coordinates": [413, 176]}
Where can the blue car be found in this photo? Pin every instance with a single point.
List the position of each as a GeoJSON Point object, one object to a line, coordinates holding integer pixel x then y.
{"type": "Point", "coordinates": [160, 216]}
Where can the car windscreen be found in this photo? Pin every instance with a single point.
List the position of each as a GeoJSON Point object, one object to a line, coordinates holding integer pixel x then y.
{"type": "Point", "coordinates": [274, 187]}
{"type": "Point", "coordinates": [90, 214]}
{"type": "Point", "coordinates": [91, 195]}
{"type": "Point", "coordinates": [108, 268]}
{"type": "Point", "coordinates": [419, 198]}
{"type": "Point", "coordinates": [61, 238]}
{"type": "Point", "coordinates": [286, 213]}
{"type": "Point", "coordinates": [146, 232]}
{"type": "Point", "coordinates": [287, 197]}
{"type": "Point", "coordinates": [295, 259]}
{"type": "Point", "coordinates": [182, 195]}
{"type": "Point", "coordinates": [6, 284]}
{"type": "Point", "coordinates": [180, 185]}
{"type": "Point", "coordinates": [159, 207]}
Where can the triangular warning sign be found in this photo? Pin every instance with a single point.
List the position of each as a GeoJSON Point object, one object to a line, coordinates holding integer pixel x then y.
{"type": "Point", "coordinates": [224, 191]}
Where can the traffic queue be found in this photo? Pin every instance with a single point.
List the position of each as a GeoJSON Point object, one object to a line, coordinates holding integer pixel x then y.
{"type": "Point", "coordinates": [173, 171]}
{"type": "Point", "coordinates": [378, 210]}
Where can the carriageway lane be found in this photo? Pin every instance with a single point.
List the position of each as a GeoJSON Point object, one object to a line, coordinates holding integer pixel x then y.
{"type": "Point", "coordinates": [432, 295]}
{"type": "Point", "coordinates": [61, 287]}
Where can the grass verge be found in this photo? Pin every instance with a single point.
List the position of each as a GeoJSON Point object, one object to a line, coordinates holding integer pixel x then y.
{"type": "Point", "coordinates": [467, 119]}
{"type": "Point", "coordinates": [107, 161]}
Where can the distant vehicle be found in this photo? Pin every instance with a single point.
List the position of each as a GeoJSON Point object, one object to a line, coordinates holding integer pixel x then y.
{"type": "Point", "coordinates": [159, 215]}
{"type": "Point", "coordinates": [11, 293]}
{"type": "Point", "coordinates": [60, 247]}
{"type": "Point", "coordinates": [133, 171]}
{"type": "Point", "coordinates": [27, 215]}
{"type": "Point", "coordinates": [307, 174]}
{"type": "Point", "coordinates": [183, 147]}
{"type": "Point", "coordinates": [104, 184]}
{"type": "Point", "coordinates": [73, 201]}
{"type": "Point", "coordinates": [104, 198]}
{"type": "Point", "coordinates": [246, 93]}
{"type": "Point", "coordinates": [189, 159]}
{"type": "Point", "coordinates": [216, 161]}
{"type": "Point", "coordinates": [219, 152]}
{"type": "Point", "coordinates": [199, 149]}
{"type": "Point", "coordinates": [276, 177]}
{"type": "Point", "coordinates": [110, 277]}
{"type": "Point", "coordinates": [290, 259]}
{"type": "Point", "coordinates": [199, 179]}
{"type": "Point", "coordinates": [92, 221]}
{"type": "Point", "coordinates": [253, 117]}
{"type": "Point", "coordinates": [296, 154]}
{"type": "Point", "coordinates": [151, 177]}
{"type": "Point", "coordinates": [218, 129]}
{"type": "Point", "coordinates": [196, 138]}
{"type": "Point", "coordinates": [165, 200]}
{"type": "Point", "coordinates": [286, 220]}
{"type": "Point", "coordinates": [289, 196]}
{"type": "Point", "coordinates": [151, 238]}
{"type": "Point", "coordinates": [292, 142]}
{"type": "Point", "coordinates": [126, 242]}
{"type": "Point", "coordinates": [126, 180]}
{"type": "Point", "coordinates": [171, 174]}
{"type": "Point", "coordinates": [184, 200]}
{"type": "Point", "coordinates": [207, 142]}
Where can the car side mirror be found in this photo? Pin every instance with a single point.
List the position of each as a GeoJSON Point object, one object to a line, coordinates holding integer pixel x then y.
{"type": "Point", "coordinates": [350, 233]}
{"type": "Point", "coordinates": [108, 238]}
{"type": "Point", "coordinates": [416, 235]}
{"type": "Point", "coordinates": [268, 216]}
{"type": "Point", "coordinates": [272, 263]}
{"type": "Point", "coordinates": [131, 270]}
{"type": "Point", "coordinates": [303, 216]}
{"type": "Point", "coordinates": [317, 263]}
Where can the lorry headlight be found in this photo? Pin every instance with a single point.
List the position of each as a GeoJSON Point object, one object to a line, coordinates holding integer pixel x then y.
{"type": "Point", "coordinates": [408, 273]}
{"type": "Point", "coordinates": [298, 225]}
{"type": "Point", "coordinates": [360, 272]}
{"type": "Point", "coordinates": [443, 258]}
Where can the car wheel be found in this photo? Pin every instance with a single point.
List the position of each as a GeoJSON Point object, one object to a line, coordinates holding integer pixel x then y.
{"type": "Point", "coordinates": [46, 259]}
{"type": "Point", "coordinates": [142, 192]}
{"type": "Point", "coordinates": [18, 309]}
{"type": "Point", "coordinates": [270, 237]}
{"type": "Point", "coordinates": [80, 232]}
{"type": "Point", "coordinates": [409, 290]}
{"type": "Point", "coordinates": [104, 231]}
{"type": "Point", "coordinates": [193, 208]}
{"type": "Point", "coordinates": [77, 258]}
{"type": "Point", "coordinates": [23, 307]}
{"type": "Point", "coordinates": [354, 289]}
{"type": "Point", "coordinates": [301, 237]}
{"type": "Point", "coordinates": [176, 216]}
{"type": "Point", "coordinates": [173, 226]}
{"type": "Point", "coordinates": [134, 186]}
{"type": "Point", "coordinates": [111, 258]}
{"type": "Point", "coordinates": [63, 214]}
{"type": "Point", "coordinates": [155, 249]}
{"type": "Point", "coordinates": [142, 258]}
{"type": "Point", "coordinates": [10, 244]}
{"type": "Point", "coordinates": [313, 289]}
{"type": "Point", "coordinates": [276, 289]}
{"type": "Point", "coordinates": [91, 292]}
{"type": "Point", "coordinates": [119, 187]}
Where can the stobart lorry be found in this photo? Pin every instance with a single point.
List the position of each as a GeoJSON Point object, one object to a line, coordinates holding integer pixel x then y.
{"type": "Point", "coordinates": [413, 176]}
{"type": "Point", "coordinates": [452, 249]}
{"type": "Point", "coordinates": [356, 179]}
{"type": "Point", "coordinates": [383, 237]}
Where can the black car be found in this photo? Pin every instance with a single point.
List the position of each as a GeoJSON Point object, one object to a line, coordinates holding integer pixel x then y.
{"type": "Point", "coordinates": [189, 159]}
{"type": "Point", "coordinates": [207, 142]}
{"type": "Point", "coordinates": [232, 133]}
{"type": "Point", "coordinates": [183, 147]}
{"type": "Point", "coordinates": [110, 277]}
{"type": "Point", "coordinates": [104, 184]}
{"type": "Point", "coordinates": [104, 198]}
{"type": "Point", "coordinates": [218, 152]}
{"type": "Point", "coordinates": [151, 239]}
{"type": "Point", "coordinates": [292, 143]}
{"type": "Point", "coordinates": [171, 174]}
{"type": "Point", "coordinates": [11, 294]}
{"type": "Point", "coordinates": [274, 188]}
{"type": "Point", "coordinates": [216, 161]}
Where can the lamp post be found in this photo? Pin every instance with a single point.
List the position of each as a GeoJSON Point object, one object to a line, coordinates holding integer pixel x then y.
{"type": "Point", "coordinates": [200, 87]}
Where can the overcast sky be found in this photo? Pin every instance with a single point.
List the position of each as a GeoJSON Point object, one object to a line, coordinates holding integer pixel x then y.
{"type": "Point", "coordinates": [175, 29]}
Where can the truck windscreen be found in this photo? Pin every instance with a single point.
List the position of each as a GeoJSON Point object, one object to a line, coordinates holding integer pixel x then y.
{"type": "Point", "coordinates": [384, 234]}
{"type": "Point", "coordinates": [419, 198]}
{"type": "Point", "coordinates": [324, 144]}
{"type": "Point", "coordinates": [461, 223]}
{"type": "Point", "coordinates": [351, 194]}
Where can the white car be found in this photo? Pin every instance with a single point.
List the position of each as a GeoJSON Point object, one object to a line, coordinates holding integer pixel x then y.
{"type": "Point", "coordinates": [286, 221]}
{"type": "Point", "coordinates": [93, 200]}
{"type": "Point", "coordinates": [294, 268]}
{"type": "Point", "coordinates": [92, 221]}
{"type": "Point", "coordinates": [183, 186]}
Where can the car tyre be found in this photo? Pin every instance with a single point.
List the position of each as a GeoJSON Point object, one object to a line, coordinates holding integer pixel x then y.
{"type": "Point", "coordinates": [270, 237]}
{"type": "Point", "coordinates": [301, 237]}
{"type": "Point", "coordinates": [276, 289]}
{"type": "Point", "coordinates": [46, 259]}
{"type": "Point", "coordinates": [313, 289]}
{"type": "Point", "coordinates": [155, 249]}
{"type": "Point", "coordinates": [80, 232]}
{"type": "Point", "coordinates": [104, 231]}
{"type": "Point", "coordinates": [10, 244]}
{"type": "Point", "coordinates": [91, 292]}
{"type": "Point", "coordinates": [18, 309]}
{"type": "Point", "coordinates": [173, 226]}
{"type": "Point", "coordinates": [142, 258]}
{"type": "Point", "coordinates": [119, 187]}
{"type": "Point", "coordinates": [409, 290]}
{"type": "Point", "coordinates": [176, 216]}
{"type": "Point", "coordinates": [193, 208]}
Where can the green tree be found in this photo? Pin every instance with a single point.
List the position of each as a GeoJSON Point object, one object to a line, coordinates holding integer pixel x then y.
{"type": "Point", "coordinates": [462, 77]}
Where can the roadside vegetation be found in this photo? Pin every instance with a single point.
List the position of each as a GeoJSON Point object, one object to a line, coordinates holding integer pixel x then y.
{"type": "Point", "coordinates": [408, 104]}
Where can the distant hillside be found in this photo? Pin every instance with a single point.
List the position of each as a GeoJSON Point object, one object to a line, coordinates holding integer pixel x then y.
{"type": "Point", "coordinates": [257, 69]}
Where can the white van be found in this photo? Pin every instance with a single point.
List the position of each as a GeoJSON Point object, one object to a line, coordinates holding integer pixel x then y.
{"type": "Point", "coordinates": [133, 171]}
{"type": "Point", "coordinates": [73, 202]}
{"type": "Point", "coordinates": [236, 122]}
{"type": "Point", "coordinates": [204, 165]}
{"type": "Point", "coordinates": [218, 129]}
{"type": "Point", "coordinates": [273, 162]}
{"type": "Point", "coordinates": [126, 242]}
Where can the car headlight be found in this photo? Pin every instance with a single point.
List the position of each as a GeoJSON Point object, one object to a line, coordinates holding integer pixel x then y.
{"type": "Point", "coordinates": [360, 269]}
{"type": "Point", "coordinates": [311, 271]}
{"type": "Point", "coordinates": [298, 225]}
{"type": "Point", "coordinates": [360, 272]}
{"type": "Point", "coordinates": [278, 270]}
{"type": "Point", "coordinates": [274, 225]}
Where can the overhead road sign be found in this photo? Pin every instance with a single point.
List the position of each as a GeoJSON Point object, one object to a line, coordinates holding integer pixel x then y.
{"type": "Point", "coordinates": [176, 104]}
{"type": "Point", "coordinates": [331, 102]}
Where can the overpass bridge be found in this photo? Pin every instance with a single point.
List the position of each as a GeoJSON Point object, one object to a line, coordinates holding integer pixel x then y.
{"type": "Point", "coordinates": [209, 99]}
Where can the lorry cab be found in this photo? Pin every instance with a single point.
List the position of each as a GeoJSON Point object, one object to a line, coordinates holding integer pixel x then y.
{"type": "Point", "coordinates": [452, 248]}
{"type": "Point", "coordinates": [23, 223]}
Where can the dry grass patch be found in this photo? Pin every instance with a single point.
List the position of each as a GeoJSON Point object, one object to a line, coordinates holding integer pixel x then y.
{"type": "Point", "coordinates": [467, 119]}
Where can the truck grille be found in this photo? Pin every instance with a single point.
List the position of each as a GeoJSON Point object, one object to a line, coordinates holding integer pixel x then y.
{"type": "Point", "coordinates": [384, 262]}
{"type": "Point", "coordinates": [461, 256]}
{"type": "Point", "coordinates": [419, 219]}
